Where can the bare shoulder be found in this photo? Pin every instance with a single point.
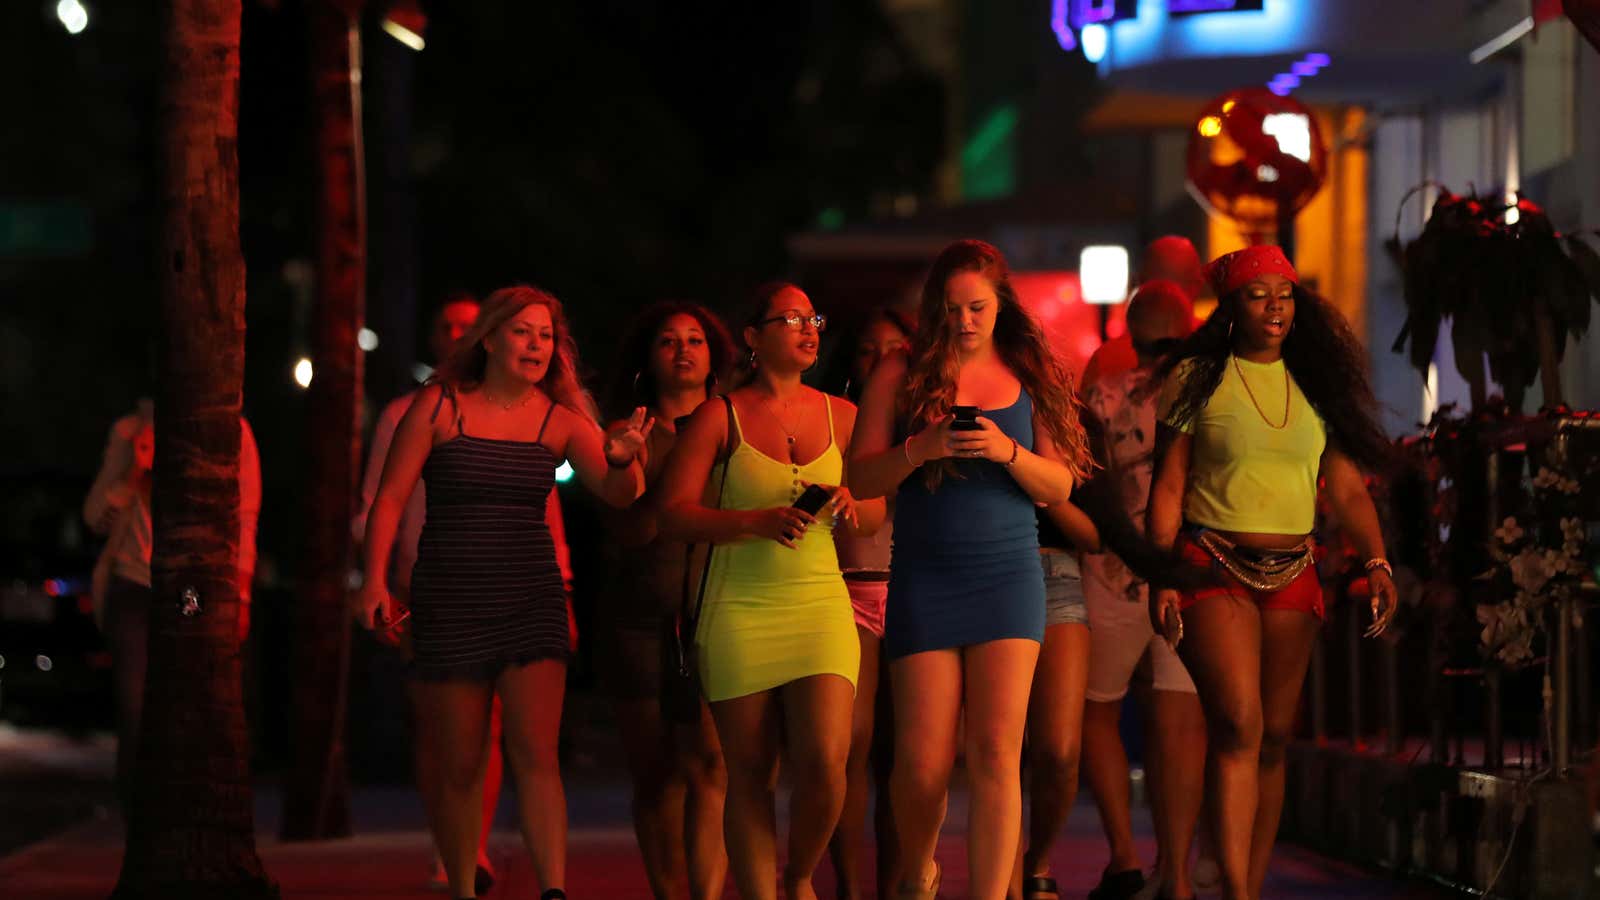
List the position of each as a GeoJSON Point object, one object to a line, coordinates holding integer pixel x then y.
{"type": "Point", "coordinates": [844, 412]}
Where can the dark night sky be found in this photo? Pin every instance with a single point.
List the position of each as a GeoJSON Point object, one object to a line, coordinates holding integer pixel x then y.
{"type": "Point", "coordinates": [613, 151]}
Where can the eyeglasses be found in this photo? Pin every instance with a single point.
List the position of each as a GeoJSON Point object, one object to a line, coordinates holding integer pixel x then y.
{"type": "Point", "coordinates": [794, 320]}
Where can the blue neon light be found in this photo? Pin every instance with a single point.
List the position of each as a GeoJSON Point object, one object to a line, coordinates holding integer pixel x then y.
{"type": "Point", "coordinates": [1092, 11]}
{"type": "Point", "coordinates": [1303, 69]}
{"type": "Point", "coordinates": [1059, 25]}
{"type": "Point", "coordinates": [1288, 81]}
{"type": "Point", "coordinates": [1186, 6]}
{"type": "Point", "coordinates": [1319, 60]}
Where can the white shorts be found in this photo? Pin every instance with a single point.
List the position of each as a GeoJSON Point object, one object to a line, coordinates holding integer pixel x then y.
{"type": "Point", "coordinates": [1121, 641]}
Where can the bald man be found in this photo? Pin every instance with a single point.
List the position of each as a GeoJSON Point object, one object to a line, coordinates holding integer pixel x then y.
{"type": "Point", "coordinates": [1167, 258]}
{"type": "Point", "coordinates": [1121, 641]}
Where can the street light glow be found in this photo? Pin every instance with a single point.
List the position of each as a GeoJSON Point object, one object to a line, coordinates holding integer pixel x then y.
{"type": "Point", "coordinates": [73, 16]}
{"type": "Point", "coordinates": [1103, 273]}
{"type": "Point", "coordinates": [367, 339]}
{"type": "Point", "coordinates": [302, 372]}
{"type": "Point", "coordinates": [403, 34]}
{"type": "Point", "coordinates": [1095, 39]}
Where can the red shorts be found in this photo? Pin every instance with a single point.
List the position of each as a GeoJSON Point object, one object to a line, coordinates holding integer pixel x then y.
{"type": "Point", "coordinates": [1303, 594]}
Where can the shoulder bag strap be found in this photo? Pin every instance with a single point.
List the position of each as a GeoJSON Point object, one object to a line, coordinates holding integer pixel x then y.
{"type": "Point", "coordinates": [690, 614]}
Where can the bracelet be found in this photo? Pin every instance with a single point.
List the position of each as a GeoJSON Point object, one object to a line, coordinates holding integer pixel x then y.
{"type": "Point", "coordinates": [1015, 448]}
{"type": "Point", "coordinates": [1378, 562]}
{"type": "Point", "coordinates": [906, 447]}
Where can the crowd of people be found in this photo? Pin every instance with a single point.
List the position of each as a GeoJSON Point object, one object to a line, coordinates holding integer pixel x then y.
{"type": "Point", "coordinates": [1055, 541]}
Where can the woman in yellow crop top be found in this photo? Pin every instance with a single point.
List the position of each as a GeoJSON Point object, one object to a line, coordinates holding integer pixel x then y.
{"type": "Point", "coordinates": [1266, 397]}
{"type": "Point", "coordinates": [777, 643]}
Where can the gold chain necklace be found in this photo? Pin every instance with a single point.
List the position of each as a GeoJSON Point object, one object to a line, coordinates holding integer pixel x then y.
{"type": "Point", "coordinates": [514, 403]}
{"type": "Point", "coordinates": [1256, 404]}
{"type": "Point", "coordinates": [787, 431]}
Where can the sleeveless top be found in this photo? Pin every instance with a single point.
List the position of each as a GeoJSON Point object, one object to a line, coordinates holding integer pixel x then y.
{"type": "Point", "coordinates": [980, 509]}
{"type": "Point", "coordinates": [487, 591]}
{"type": "Point", "coordinates": [758, 481]}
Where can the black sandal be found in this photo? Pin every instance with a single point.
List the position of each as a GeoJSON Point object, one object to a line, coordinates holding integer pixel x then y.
{"type": "Point", "coordinates": [1038, 885]}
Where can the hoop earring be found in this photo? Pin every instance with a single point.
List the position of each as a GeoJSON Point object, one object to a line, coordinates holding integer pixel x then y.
{"type": "Point", "coordinates": [1230, 329]}
{"type": "Point", "coordinates": [636, 382]}
{"type": "Point", "coordinates": [751, 362]}
{"type": "Point", "coordinates": [711, 382]}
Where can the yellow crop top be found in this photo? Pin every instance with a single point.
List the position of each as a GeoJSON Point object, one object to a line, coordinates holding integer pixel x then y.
{"type": "Point", "coordinates": [1245, 475]}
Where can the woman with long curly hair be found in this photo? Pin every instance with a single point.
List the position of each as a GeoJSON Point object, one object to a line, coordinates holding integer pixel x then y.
{"type": "Point", "coordinates": [1267, 396]}
{"type": "Point", "coordinates": [777, 645]}
{"type": "Point", "coordinates": [672, 357]}
{"type": "Point", "coordinates": [488, 606]}
{"type": "Point", "coordinates": [966, 608]}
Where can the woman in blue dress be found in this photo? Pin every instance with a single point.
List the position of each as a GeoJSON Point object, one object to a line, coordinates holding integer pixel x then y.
{"type": "Point", "coordinates": [966, 607]}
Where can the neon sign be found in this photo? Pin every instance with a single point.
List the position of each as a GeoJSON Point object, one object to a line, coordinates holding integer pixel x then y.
{"type": "Point", "coordinates": [1191, 7]}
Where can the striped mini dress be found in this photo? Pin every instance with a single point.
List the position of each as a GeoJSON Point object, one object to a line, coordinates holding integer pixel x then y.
{"type": "Point", "coordinates": [486, 593]}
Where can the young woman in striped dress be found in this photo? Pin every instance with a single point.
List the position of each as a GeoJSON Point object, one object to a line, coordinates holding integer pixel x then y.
{"type": "Point", "coordinates": [487, 602]}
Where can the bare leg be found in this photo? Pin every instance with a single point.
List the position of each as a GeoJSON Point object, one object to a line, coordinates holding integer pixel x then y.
{"type": "Point", "coordinates": [927, 707]}
{"type": "Point", "coordinates": [846, 846]}
{"type": "Point", "coordinates": [1105, 762]}
{"type": "Point", "coordinates": [1055, 743]}
{"type": "Point", "coordinates": [452, 752]}
{"type": "Point", "coordinates": [1223, 654]}
{"type": "Point", "coordinates": [1286, 639]}
{"type": "Point", "coordinates": [817, 712]}
{"type": "Point", "coordinates": [998, 677]}
{"type": "Point", "coordinates": [533, 696]}
{"type": "Point", "coordinates": [658, 794]}
{"type": "Point", "coordinates": [700, 756]}
{"type": "Point", "coordinates": [748, 729]}
{"type": "Point", "coordinates": [883, 808]}
{"type": "Point", "coordinates": [493, 772]}
{"type": "Point", "coordinates": [1176, 730]}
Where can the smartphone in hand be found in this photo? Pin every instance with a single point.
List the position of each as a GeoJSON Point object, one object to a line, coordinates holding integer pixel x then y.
{"type": "Point", "coordinates": [813, 499]}
{"type": "Point", "coordinates": [966, 418]}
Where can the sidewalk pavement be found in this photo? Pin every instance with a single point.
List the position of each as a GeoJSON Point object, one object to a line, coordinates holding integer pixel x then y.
{"type": "Point", "coordinates": [389, 858]}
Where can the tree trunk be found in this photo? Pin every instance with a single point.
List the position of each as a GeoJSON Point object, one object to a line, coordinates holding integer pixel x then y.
{"type": "Point", "coordinates": [191, 832]}
{"type": "Point", "coordinates": [317, 793]}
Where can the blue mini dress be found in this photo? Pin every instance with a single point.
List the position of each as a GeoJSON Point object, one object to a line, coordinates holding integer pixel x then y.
{"type": "Point", "coordinates": [965, 565]}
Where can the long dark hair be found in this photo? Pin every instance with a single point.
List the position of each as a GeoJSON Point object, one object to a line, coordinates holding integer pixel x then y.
{"type": "Point", "coordinates": [1019, 341]}
{"type": "Point", "coordinates": [1321, 353]}
{"type": "Point", "coordinates": [839, 378]}
{"type": "Point", "coordinates": [632, 383]}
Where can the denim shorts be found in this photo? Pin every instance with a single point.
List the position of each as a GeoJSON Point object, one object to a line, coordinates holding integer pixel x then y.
{"type": "Point", "coordinates": [1063, 589]}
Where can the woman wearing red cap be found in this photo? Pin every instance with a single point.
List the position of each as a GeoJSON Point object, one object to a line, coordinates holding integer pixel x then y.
{"type": "Point", "coordinates": [1267, 396]}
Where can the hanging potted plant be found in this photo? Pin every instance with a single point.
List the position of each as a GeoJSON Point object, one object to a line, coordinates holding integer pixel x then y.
{"type": "Point", "coordinates": [1512, 287]}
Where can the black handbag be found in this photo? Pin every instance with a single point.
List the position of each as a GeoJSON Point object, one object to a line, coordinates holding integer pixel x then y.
{"type": "Point", "coordinates": [681, 692]}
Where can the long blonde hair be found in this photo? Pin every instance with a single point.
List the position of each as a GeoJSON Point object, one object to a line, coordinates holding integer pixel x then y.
{"type": "Point", "coordinates": [935, 367]}
{"type": "Point", "coordinates": [467, 361]}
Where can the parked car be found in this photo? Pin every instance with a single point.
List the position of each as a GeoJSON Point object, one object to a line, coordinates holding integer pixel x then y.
{"type": "Point", "coordinates": [55, 667]}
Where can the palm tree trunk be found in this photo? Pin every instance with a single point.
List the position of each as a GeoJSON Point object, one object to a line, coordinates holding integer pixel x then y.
{"type": "Point", "coordinates": [191, 832]}
{"type": "Point", "coordinates": [317, 792]}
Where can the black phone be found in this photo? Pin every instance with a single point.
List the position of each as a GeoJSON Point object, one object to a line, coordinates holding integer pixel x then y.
{"type": "Point", "coordinates": [966, 418]}
{"type": "Point", "coordinates": [813, 499]}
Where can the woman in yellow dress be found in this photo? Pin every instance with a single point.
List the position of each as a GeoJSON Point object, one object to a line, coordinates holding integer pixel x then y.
{"type": "Point", "coordinates": [777, 644]}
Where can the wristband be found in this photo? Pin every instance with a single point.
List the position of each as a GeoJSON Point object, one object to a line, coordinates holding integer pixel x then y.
{"type": "Point", "coordinates": [1015, 448]}
{"type": "Point", "coordinates": [1378, 562]}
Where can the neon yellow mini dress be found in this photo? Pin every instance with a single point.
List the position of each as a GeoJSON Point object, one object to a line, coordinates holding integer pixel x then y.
{"type": "Point", "coordinates": [773, 615]}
